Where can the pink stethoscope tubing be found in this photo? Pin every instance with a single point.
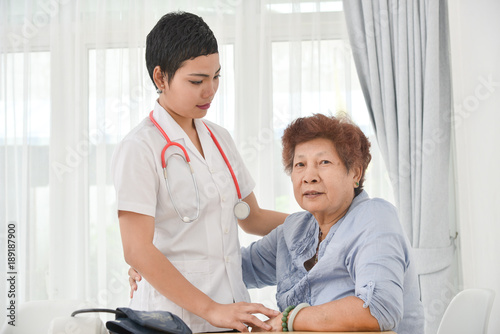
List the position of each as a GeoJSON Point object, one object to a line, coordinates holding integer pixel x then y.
{"type": "Point", "coordinates": [241, 209]}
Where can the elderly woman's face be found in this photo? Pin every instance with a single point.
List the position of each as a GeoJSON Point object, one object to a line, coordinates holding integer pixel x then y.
{"type": "Point", "coordinates": [321, 183]}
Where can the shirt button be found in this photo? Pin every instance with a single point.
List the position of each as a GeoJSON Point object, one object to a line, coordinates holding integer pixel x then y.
{"type": "Point", "coordinates": [211, 171]}
{"type": "Point", "coordinates": [227, 259]}
{"type": "Point", "coordinates": [223, 198]}
{"type": "Point", "coordinates": [226, 230]}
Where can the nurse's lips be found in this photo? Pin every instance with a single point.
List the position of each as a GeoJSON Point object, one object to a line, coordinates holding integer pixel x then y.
{"type": "Point", "coordinates": [312, 194]}
{"type": "Point", "coordinates": [204, 106]}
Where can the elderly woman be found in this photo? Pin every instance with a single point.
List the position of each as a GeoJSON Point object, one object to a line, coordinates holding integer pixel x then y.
{"type": "Point", "coordinates": [346, 254]}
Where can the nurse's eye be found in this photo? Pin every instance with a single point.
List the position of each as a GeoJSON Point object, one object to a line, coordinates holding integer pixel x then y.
{"type": "Point", "coordinates": [217, 77]}
{"type": "Point", "coordinates": [196, 82]}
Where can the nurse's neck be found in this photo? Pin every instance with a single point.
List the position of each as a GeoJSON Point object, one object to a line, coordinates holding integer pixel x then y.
{"type": "Point", "coordinates": [187, 124]}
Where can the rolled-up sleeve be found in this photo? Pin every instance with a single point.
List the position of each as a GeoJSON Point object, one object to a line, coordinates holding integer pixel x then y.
{"type": "Point", "coordinates": [259, 261]}
{"type": "Point", "coordinates": [378, 263]}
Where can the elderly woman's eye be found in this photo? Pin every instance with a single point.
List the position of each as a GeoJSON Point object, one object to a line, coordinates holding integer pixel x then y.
{"type": "Point", "coordinates": [298, 164]}
{"type": "Point", "coordinates": [325, 162]}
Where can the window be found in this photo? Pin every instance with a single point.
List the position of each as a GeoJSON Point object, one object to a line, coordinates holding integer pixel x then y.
{"type": "Point", "coordinates": [280, 60]}
{"type": "Point", "coordinates": [25, 124]}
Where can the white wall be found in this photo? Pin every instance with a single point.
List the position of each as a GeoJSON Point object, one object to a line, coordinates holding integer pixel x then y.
{"type": "Point", "coordinates": [475, 52]}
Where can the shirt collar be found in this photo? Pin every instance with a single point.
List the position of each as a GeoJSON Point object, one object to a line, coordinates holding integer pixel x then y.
{"type": "Point", "coordinates": [168, 124]}
{"type": "Point", "coordinates": [177, 134]}
{"type": "Point", "coordinates": [300, 236]}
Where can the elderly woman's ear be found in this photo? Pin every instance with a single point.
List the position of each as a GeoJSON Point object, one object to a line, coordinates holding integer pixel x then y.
{"type": "Point", "coordinates": [356, 175]}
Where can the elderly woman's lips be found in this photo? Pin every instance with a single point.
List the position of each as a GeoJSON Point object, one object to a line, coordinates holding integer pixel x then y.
{"type": "Point", "coordinates": [312, 194]}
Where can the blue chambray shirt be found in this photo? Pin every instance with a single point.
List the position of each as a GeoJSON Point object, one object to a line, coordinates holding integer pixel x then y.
{"type": "Point", "coordinates": [365, 254]}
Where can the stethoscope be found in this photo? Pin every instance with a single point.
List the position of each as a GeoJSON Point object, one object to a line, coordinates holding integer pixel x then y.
{"type": "Point", "coordinates": [241, 209]}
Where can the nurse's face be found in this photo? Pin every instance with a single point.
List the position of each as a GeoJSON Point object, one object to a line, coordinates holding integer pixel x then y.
{"type": "Point", "coordinates": [192, 89]}
{"type": "Point", "coordinates": [321, 183]}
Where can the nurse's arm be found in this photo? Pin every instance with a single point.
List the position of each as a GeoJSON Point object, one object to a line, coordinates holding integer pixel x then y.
{"type": "Point", "coordinates": [137, 233]}
{"type": "Point", "coordinates": [260, 221]}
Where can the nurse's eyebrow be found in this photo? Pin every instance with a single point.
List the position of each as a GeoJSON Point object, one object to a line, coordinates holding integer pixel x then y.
{"type": "Point", "coordinates": [203, 74]}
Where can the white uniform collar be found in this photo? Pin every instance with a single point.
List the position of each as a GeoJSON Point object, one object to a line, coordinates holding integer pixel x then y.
{"type": "Point", "coordinates": [177, 134]}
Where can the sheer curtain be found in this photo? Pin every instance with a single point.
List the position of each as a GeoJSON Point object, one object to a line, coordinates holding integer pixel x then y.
{"type": "Point", "coordinates": [403, 58]}
{"type": "Point", "coordinates": [73, 82]}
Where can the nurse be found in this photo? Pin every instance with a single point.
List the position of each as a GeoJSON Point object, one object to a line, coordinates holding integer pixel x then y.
{"type": "Point", "coordinates": [179, 230]}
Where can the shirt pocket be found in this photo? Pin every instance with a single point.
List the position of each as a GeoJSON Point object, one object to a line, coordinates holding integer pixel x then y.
{"type": "Point", "coordinates": [197, 272]}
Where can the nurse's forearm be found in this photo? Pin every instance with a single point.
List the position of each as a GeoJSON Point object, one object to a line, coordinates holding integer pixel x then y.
{"type": "Point", "coordinates": [137, 233]}
{"type": "Point", "coordinates": [260, 221]}
{"type": "Point", "coordinates": [168, 281]}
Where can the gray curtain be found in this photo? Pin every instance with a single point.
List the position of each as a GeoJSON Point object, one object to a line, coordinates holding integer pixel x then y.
{"type": "Point", "coordinates": [401, 52]}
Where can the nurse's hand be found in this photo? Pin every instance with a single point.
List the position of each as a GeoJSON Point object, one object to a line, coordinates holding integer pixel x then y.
{"type": "Point", "coordinates": [237, 315]}
{"type": "Point", "coordinates": [275, 324]}
{"type": "Point", "coordinates": [240, 316]}
{"type": "Point", "coordinates": [133, 278]}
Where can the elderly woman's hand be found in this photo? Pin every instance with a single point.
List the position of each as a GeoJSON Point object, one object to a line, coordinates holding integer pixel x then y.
{"type": "Point", "coordinates": [133, 278]}
{"type": "Point", "coordinates": [275, 324]}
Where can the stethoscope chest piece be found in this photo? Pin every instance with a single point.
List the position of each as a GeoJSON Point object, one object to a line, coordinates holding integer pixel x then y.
{"type": "Point", "coordinates": [241, 210]}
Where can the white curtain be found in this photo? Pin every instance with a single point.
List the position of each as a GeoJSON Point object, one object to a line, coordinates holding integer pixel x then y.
{"type": "Point", "coordinates": [402, 57]}
{"type": "Point", "coordinates": [73, 82]}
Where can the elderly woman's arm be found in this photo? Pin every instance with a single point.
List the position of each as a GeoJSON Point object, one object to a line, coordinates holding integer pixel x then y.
{"type": "Point", "coordinates": [346, 315]}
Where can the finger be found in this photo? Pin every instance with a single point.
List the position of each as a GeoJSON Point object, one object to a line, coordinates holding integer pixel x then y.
{"type": "Point", "coordinates": [132, 273]}
{"type": "Point", "coordinates": [270, 313]}
{"type": "Point", "coordinates": [240, 327]}
{"type": "Point", "coordinates": [132, 282]}
{"type": "Point", "coordinates": [257, 322]}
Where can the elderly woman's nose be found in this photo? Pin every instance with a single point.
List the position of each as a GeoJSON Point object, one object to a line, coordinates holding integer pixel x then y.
{"type": "Point", "coordinates": [310, 175]}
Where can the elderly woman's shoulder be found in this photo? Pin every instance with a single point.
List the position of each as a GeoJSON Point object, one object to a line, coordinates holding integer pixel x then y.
{"type": "Point", "coordinates": [381, 204]}
{"type": "Point", "coordinates": [364, 202]}
{"type": "Point", "coordinates": [366, 210]}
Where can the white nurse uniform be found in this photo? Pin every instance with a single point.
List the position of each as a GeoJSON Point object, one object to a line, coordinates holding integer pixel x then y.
{"type": "Point", "coordinates": [206, 251]}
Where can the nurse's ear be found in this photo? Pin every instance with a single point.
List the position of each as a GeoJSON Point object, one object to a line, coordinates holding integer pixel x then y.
{"type": "Point", "coordinates": [159, 78]}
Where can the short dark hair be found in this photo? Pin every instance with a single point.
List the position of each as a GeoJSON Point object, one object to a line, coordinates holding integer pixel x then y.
{"type": "Point", "coordinates": [352, 146]}
{"type": "Point", "coordinates": [177, 37]}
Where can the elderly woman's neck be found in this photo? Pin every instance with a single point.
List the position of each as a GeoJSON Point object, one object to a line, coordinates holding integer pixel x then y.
{"type": "Point", "coordinates": [325, 222]}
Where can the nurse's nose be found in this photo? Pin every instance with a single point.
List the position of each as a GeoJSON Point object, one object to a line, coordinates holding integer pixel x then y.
{"type": "Point", "coordinates": [210, 90]}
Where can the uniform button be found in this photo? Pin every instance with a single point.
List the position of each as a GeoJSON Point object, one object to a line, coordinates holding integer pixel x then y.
{"type": "Point", "coordinates": [227, 259]}
{"type": "Point", "coordinates": [211, 171]}
{"type": "Point", "coordinates": [226, 230]}
{"type": "Point", "coordinates": [223, 198]}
